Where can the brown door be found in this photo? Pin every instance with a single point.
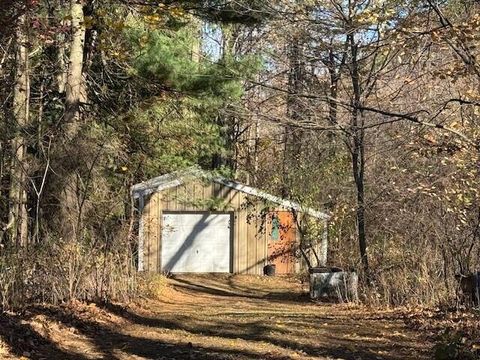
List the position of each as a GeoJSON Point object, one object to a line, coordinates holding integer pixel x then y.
{"type": "Point", "coordinates": [281, 242]}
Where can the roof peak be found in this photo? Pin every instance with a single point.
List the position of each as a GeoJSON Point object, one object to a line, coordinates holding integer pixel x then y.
{"type": "Point", "coordinates": [177, 178]}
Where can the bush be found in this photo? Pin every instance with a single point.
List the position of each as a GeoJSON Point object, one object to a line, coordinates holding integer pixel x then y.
{"type": "Point", "coordinates": [56, 271]}
{"type": "Point", "coordinates": [152, 285]}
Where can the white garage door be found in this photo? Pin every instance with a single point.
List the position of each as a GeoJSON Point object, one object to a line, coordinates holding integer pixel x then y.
{"type": "Point", "coordinates": [196, 242]}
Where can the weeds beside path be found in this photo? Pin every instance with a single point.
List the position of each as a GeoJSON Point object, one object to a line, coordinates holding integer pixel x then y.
{"type": "Point", "coordinates": [212, 317]}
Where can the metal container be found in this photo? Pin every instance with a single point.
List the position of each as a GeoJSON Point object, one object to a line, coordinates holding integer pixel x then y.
{"type": "Point", "coordinates": [334, 285]}
{"type": "Point", "coordinates": [269, 270]}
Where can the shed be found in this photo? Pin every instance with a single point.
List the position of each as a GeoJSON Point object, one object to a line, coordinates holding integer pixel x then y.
{"type": "Point", "coordinates": [195, 221]}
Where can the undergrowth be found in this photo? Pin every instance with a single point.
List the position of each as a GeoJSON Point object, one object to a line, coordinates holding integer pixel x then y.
{"type": "Point", "coordinates": [152, 285]}
{"type": "Point", "coordinates": [57, 271]}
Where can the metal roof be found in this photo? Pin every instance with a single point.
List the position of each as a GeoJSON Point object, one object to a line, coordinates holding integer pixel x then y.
{"type": "Point", "coordinates": [178, 178]}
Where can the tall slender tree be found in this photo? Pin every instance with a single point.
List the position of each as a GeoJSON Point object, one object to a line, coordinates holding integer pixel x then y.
{"type": "Point", "coordinates": [75, 95]}
{"type": "Point", "coordinates": [18, 217]}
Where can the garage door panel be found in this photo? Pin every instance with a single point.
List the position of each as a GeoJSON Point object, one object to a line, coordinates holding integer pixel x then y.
{"type": "Point", "coordinates": [196, 242]}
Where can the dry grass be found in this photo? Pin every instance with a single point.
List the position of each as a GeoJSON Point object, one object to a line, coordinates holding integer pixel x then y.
{"type": "Point", "coordinates": [57, 270]}
{"type": "Point", "coordinates": [212, 317]}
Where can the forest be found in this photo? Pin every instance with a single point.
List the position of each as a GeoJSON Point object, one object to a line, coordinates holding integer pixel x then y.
{"type": "Point", "coordinates": [368, 110]}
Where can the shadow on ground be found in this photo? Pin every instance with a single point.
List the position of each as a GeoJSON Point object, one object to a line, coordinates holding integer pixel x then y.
{"type": "Point", "coordinates": [234, 290]}
{"type": "Point", "coordinates": [23, 340]}
{"type": "Point", "coordinates": [227, 323]}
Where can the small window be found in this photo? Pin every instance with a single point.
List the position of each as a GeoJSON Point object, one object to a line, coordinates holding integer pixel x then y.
{"type": "Point", "coordinates": [275, 234]}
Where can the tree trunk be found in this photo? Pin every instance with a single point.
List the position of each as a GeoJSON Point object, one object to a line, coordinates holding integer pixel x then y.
{"type": "Point", "coordinates": [358, 154]}
{"type": "Point", "coordinates": [75, 87]}
{"type": "Point", "coordinates": [358, 162]}
{"type": "Point", "coordinates": [18, 215]}
{"type": "Point", "coordinates": [293, 136]}
{"type": "Point", "coordinates": [335, 72]}
{"type": "Point", "coordinates": [75, 94]}
{"type": "Point", "coordinates": [61, 76]}
{"type": "Point", "coordinates": [229, 123]}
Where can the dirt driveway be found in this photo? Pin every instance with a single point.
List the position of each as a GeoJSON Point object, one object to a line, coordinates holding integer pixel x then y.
{"type": "Point", "coordinates": [212, 317]}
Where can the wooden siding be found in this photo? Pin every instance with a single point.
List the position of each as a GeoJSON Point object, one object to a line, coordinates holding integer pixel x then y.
{"type": "Point", "coordinates": [249, 230]}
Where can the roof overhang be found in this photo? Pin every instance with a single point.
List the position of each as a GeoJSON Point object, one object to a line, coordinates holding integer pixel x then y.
{"type": "Point", "coordinates": [175, 179]}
